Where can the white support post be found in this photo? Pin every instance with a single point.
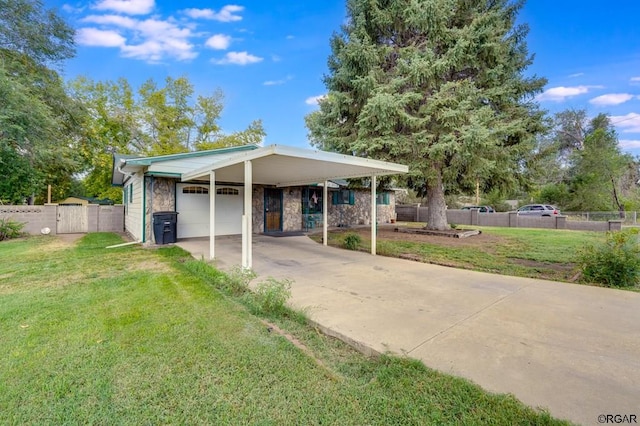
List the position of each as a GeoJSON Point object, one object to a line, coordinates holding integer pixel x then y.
{"type": "Point", "coordinates": [325, 212]}
{"type": "Point", "coordinates": [374, 215]}
{"type": "Point", "coordinates": [212, 215]}
{"type": "Point", "coordinates": [244, 242]}
{"type": "Point", "coordinates": [247, 229]}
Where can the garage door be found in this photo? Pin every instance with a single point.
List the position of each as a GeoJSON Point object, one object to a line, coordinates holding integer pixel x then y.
{"type": "Point", "coordinates": [192, 204]}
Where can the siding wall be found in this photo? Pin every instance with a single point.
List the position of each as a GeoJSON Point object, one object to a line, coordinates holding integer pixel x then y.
{"type": "Point", "coordinates": [133, 206]}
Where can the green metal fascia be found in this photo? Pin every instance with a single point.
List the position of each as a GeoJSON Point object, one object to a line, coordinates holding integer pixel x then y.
{"type": "Point", "coordinates": [150, 160]}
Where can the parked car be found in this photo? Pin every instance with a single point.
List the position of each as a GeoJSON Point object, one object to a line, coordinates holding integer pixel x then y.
{"type": "Point", "coordinates": [481, 209]}
{"type": "Point", "coordinates": [538, 210]}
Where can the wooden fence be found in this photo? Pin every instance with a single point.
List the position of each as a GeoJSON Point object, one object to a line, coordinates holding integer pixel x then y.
{"type": "Point", "coordinates": [55, 219]}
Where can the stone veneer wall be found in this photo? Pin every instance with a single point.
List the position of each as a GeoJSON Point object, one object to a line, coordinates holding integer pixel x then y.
{"type": "Point", "coordinates": [360, 212]}
{"type": "Point", "coordinates": [257, 199]}
{"type": "Point", "coordinates": [161, 196]}
{"type": "Point", "coordinates": [292, 209]}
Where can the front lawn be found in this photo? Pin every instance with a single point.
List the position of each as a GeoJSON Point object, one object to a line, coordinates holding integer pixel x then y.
{"type": "Point", "coordinates": [123, 336]}
{"type": "Point", "coordinates": [536, 253]}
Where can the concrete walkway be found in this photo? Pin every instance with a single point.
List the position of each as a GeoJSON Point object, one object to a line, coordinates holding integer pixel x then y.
{"type": "Point", "coordinates": [572, 349]}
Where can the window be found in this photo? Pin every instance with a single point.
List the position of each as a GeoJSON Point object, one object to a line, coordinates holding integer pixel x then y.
{"type": "Point", "coordinates": [383, 198]}
{"type": "Point", "coordinates": [195, 190]}
{"type": "Point", "coordinates": [311, 200]}
{"type": "Point", "coordinates": [344, 196]}
{"type": "Point", "coordinates": [227, 191]}
{"type": "Point", "coordinates": [131, 193]}
{"type": "Point", "coordinates": [125, 195]}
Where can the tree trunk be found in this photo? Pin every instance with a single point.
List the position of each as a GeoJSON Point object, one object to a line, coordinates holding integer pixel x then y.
{"type": "Point", "coordinates": [437, 213]}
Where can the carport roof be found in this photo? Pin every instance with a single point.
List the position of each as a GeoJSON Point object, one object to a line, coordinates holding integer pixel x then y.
{"type": "Point", "coordinates": [289, 166]}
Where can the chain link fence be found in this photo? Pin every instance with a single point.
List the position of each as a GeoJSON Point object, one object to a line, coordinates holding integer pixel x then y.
{"type": "Point", "coordinates": [627, 218]}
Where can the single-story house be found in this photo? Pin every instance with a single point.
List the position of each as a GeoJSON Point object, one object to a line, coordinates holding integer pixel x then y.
{"type": "Point", "coordinates": [251, 189]}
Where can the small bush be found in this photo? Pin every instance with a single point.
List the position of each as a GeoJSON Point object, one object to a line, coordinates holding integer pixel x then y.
{"type": "Point", "coordinates": [10, 229]}
{"type": "Point", "coordinates": [237, 281]}
{"type": "Point", "coordinates": [352, 241]}
{"type": "Point", "coordinates": [616, 263]}
{"type": "Point", "coordinates": [271, 296]}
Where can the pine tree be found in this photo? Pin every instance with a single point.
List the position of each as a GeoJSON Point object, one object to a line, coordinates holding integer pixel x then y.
{"type": "Point", "coordinates": [435, 84]}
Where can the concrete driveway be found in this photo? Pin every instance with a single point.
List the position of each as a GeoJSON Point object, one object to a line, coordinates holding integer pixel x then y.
{"type": "Point", "coordinates": [572, 349]}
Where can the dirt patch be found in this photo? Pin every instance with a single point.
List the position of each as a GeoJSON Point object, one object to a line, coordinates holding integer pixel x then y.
{"type": "Point", "coordinates": [566, 269]}
{"type": "Point", "coordinates": [387, 232]}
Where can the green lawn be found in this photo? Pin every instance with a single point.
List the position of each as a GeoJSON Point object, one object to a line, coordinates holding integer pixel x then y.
{"type": "Point", "coordinates": [132, 336]}
{"type": "Point", "coordinates": [536, 253]}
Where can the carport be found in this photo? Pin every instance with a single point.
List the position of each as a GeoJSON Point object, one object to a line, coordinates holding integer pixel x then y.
{"type": "Point", "coordinates": [282, 166]}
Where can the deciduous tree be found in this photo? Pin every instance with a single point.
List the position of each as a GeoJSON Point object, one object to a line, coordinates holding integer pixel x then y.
{"type": "Point", "coordinates": [38, 121]}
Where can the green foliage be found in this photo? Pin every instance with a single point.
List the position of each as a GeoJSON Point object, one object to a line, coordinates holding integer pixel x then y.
{"type": "Point", "coordinates": [555, 193]}
{"type": "Point", "coordinates": [10, 229]}
{"type": "Point", "coordinates": [38, 121]}
{"type": "Point", "coordinates": [616, 263]}
{"type": "Point", "coordinates": [236, 282]}
{"type": "Point", "coordinates": [270, 296]}
{"type": "Point", "coordinates": [352, 241]}
{"type": "Point", "coordinates": [439, 86]}
{"type": "Point", "coordinates": [496, 200]}
{"type": "Point", "coordinates": [579, 166]}
{"type": "Point", "coordinates": [162, 119]}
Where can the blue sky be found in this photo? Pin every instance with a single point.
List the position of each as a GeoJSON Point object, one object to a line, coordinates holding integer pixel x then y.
{"type": "Point", "coordinates": [269, 57]}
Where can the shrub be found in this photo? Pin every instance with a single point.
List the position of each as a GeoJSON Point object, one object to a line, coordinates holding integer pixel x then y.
{"type": "Point", "coordinates": [236, 282]}
{"type": "Point", "coordinates": [352, 241]}
{"type": "Point", "coordinates": [616, 263]}
{"type": "Point", "coordinates": [271, 295]}
{"type": "Point", "coordinates": [10, 229]}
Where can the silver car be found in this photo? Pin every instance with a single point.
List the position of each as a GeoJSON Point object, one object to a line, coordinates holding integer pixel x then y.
{"type": "Point", "coordinates": [538, 210]}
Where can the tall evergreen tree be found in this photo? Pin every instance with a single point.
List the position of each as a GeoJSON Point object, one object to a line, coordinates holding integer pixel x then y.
{"type": "Point", "coordinates": [435, 84]}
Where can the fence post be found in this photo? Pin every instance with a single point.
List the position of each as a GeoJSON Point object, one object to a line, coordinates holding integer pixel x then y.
{"type": "Point", "coordinates": [474, 217]}
{"type": "Point", "coordinates": [513, 220]}
{"type": "Point", "coordinates": [418, 213]}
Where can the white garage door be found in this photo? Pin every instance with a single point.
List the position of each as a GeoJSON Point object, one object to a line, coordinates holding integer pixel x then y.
{"type": "Point", "coordinates": [192, 204]}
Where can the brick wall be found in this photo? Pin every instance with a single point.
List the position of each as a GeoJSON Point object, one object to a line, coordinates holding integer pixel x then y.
{"type": "Point", "coordinates": [510, 219]}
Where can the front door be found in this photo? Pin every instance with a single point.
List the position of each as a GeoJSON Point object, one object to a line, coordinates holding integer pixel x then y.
{"type": "Point", "coordinates": [272, 210]}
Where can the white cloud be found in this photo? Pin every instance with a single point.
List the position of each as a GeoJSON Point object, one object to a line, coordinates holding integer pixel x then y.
{"type": "Point", "coordinates": [290, 37]}
{"type": "Point", "coordinates": [238, 58]}
{"type": "Point", "coordinates": [634, 80]}
{"type": "Point", "coordinates": [99, 38]}
{"type": "Point", "coordinates": [278, 82]}
{"type": "Point", "coordinates": [227, 14]}
{"type": "Point", "coordinates": [629, 143]}
{"type": "Point", "coordinates": [151, 40]}
{"type": "Point", "coordinates": [629, 123]}
{"type": "Point", "coordinates": [218, 42]}
{"type": "Point", "coordinates": [578, 74]}
{"type": "Point", "coordinates": [313, 100]}
{"type": "Point", "coordinates": [72, 9]}
{"type": "Point", "coordinates": [115, 20]}
{"type": "Point", "coordinates": [130, 7]}
{"type": "Point", "coordinates": [611, 99]}
{"type": "Point", "coordinates": [561, 93]}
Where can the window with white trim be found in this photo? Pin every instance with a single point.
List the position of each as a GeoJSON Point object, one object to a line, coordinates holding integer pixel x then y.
{"type": "Point", "coordinates": [195, 190]}
{"type": "Point", "coordinates": [227, 191]}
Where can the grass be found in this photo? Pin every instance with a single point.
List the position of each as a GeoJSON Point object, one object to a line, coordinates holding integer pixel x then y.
{"type": "Point", "coordinates": [133, 336]}
{"type": "Point", "coordinates": [534, 253]}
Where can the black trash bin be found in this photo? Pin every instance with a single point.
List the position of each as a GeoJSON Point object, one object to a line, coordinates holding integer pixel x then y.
{"type": "Point", "coordinates": [164, 227]}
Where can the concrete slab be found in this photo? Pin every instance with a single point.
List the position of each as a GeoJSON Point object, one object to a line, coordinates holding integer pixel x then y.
{"type": "Point", "coordinates": [572, 349]}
